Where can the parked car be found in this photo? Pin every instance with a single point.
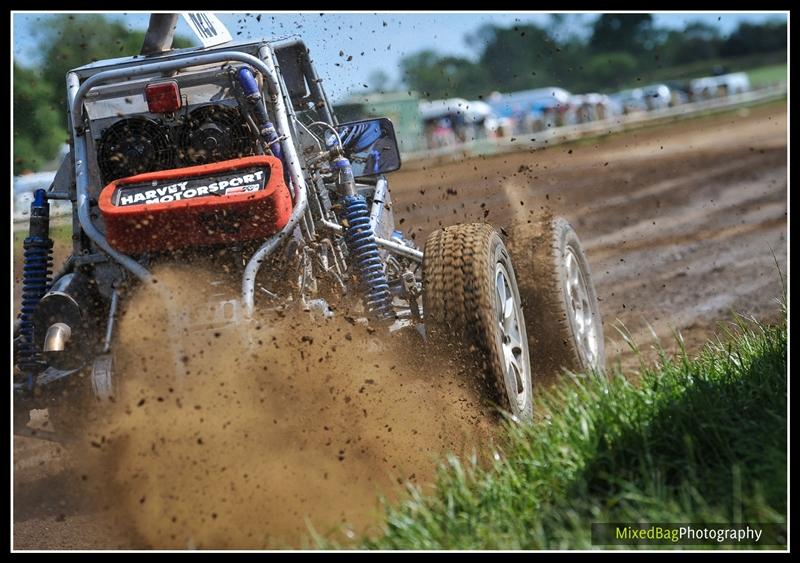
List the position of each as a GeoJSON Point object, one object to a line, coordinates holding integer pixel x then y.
{"type": "Point", "coordinates": [585, 108]}
{"type": "Point", "coordinates": [466, 118]}
{"type": "Point", "coordinates": [718, 86]}
{"type": "Point", "coordinates": [630, 101]}
{"type": "Point", "coordinates": [533, 110]}
{"type": "Point", "coordinates": [680, 93]}
{"type": "Point", "coordinates": [656, 96]}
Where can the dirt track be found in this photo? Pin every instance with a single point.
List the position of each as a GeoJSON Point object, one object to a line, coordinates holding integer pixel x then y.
{"type": "Point", "coordinates": [678, 222]}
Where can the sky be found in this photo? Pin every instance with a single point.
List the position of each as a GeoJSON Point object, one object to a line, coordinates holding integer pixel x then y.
{"type": "Point", "coordinates": [375, 41]}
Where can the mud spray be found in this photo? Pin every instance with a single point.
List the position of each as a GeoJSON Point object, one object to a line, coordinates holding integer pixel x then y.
{"type": "Point", "coordinates": [292, 425]}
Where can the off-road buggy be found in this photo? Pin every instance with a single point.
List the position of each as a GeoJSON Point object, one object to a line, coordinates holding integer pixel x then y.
{"type": "Point", "coordinates": [237, 147]}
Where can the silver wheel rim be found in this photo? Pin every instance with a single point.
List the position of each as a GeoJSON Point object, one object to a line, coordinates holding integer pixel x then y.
{"type": "Point", "coordinates": [583, 317]}
{"type": "Point", "coordinates": [509, 315]}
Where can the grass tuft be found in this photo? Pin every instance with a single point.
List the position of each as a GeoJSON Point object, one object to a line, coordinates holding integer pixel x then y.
{"type": "Point", "coordinates": [699, 440]}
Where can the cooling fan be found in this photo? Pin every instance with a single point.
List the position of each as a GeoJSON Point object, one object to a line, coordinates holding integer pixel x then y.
{"type": "Point", "coordinates": [213, 133]}
{"type": "Point", "coordinates": [132, 146]}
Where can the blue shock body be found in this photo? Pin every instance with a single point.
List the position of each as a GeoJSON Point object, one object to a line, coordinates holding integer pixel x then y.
{"type": "Point", "coordinates": [36, 272]}
{"type": "Point", "coordinates": [247, 81]}
{"type": "Point", "coordinates": [360, 240]}
{"type": "Point", "coordinates": [376, 161]}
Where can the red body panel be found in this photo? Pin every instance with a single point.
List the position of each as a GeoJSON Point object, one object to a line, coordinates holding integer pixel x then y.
{"type": "Point", "coordinates": [202, 221]}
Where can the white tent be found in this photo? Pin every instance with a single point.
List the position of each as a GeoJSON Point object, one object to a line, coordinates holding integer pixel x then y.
{"type": "Point", "coordinates": [478, 111]}
{"type": "Point", "coordinates": [527, 100]}
{"type": "Point", "coordinates": [472, 111]}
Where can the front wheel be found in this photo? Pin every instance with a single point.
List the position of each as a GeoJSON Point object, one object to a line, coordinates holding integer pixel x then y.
{"type": "Point", "coordinates": [471, 300]}
{"type": "Point", "coordinates": [560, 300]}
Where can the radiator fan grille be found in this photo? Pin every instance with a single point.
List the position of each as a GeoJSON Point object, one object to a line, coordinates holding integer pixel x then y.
{"type": "Point", "coordinates": [132, 146]}
{"type": "Point", "coordinates": [213, 133]}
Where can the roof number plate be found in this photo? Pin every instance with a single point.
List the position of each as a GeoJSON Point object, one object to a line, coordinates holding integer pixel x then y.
{"type": "Point", "coordinates": [207, 27]}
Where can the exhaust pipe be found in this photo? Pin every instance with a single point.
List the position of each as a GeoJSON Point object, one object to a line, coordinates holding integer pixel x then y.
{"type": "Point", "coordinates": [57, 337]}
{"type": "Point", "coordinates": [67, 321]}
{"type": "Point", "coordinates": [159, 34]}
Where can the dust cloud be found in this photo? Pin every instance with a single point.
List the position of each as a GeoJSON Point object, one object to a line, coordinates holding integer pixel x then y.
{"type": "Point", "coordinates": [254, 437]}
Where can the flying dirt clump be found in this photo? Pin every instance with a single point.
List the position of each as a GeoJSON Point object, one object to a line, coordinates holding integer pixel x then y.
{"type": "Point", "coordinates": [245, 438]}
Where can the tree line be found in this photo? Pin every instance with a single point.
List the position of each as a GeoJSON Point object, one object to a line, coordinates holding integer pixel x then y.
{"type": "Point", "coordinates": [66, 42]}
{"type": "Point", "coordinates": [619, 50]}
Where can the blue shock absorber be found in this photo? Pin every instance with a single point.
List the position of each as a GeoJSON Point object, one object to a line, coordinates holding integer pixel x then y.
{"type": "Point", "coordinates": [247, 81]}
{"type": "Point", "coordinates": [36, 271]}
{"type": "Point", "coordinates": [360, 240]}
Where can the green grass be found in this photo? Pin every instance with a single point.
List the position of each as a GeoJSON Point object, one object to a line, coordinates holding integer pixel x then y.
{"type": "Point", "coordinates": [698, 440]}
{"type": "Point", "coordinates": [60, 232]}
{"type": "Point", "coordinates": [768, 75]}
{"type": "Point", "coordinates": [751, 63]}
{"type": "Point", "coordinates": [696, 119]}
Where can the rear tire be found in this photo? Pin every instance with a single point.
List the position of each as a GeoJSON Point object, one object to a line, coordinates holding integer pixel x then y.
{"type": "Point", "coordinates": [560, 300]}
{"type": "Point", "coordinates": [471, 302]}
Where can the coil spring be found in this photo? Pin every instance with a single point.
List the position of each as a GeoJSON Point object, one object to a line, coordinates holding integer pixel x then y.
{"type": "Point", "coordinates": [36, 273]}
{"type": "Point", "coordinates": [360, 240]}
